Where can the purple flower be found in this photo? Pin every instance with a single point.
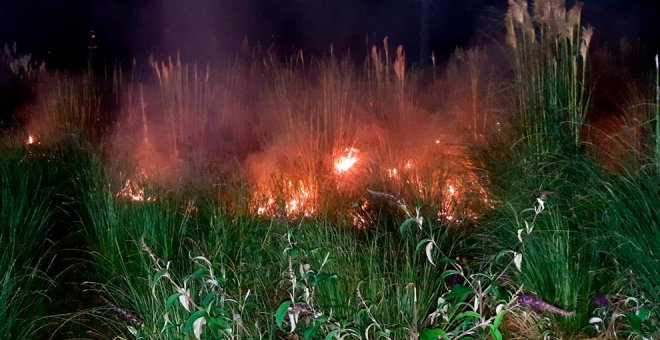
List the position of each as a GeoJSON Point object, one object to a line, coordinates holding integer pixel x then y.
{"type": "Point", "coordinates": [602, 300]}
{"type": "Point", "coordinates": [536, 304]}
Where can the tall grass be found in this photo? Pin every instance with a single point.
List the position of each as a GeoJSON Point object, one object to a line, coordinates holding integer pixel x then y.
{"type": "Point", "coordinates": [186, 94]}
{"type": "Point", "coordinates": [26, 210]}
{"type": "Point", "coordinates": [550, 53]}
{"type": "Point", "coordinates": [338, 253]}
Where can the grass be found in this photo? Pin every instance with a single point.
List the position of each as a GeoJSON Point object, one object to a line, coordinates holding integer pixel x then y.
{"type": "Point", "coordinates": [26, 212]}
{"type": "Point", "coordinates": [206, 202]}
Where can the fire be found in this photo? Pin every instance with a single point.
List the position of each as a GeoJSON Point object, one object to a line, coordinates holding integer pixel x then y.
{"type": "Point", "coordinates": [392, 173]}
{"type": "Point", "coordinates": [347, 161]}
{"type": "Point", "coordinates": [30, 140]}
{"type": "Point", "coordinates": [133, 192]}
{"type": "Point", "coordinates": [298, 200]}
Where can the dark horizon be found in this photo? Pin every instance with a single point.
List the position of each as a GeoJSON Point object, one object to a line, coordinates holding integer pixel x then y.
{"type": "Point", "coordinates": [209, 30]}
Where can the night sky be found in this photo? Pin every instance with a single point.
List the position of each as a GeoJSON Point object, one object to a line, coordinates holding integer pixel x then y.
{"type": "Point", "coordinates": [212, 30]}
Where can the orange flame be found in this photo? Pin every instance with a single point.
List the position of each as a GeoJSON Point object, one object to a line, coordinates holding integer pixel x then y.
{"type": "Point", "coordinates": [347, 161]}
{"type": "Point", "coordinates": [133, 192]}
{"type": "Point", "coordinates": [298, 200]}
{"type": "Point", "coordinates": [392, 173]}
{"type": "Point", "coordinates": [30, 140]}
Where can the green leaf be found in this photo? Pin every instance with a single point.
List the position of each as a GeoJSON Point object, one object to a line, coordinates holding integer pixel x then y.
{"type": "Point", "coordinates": [310, 332]}
{"type": "Point", "coordinates": [208, 298]}
{"type": "Point", "coordinates": [433, 334]}
{"type": "Point", "coordinates": [321, 320]}
{"type": "Point", "coordinates": [498, 292]}
{"type": "Point", "coordinates": [468, 314]}
{"type": "Point", "coordinates": [635, 322]}
{"type": "Point", "coordinates": [500, 255]}
{"type": "Point", "coordinates": [446, 260]}
{"type": "Point", "coordinates": [422, 242]}
{"type": "Point", "coordinates": [406, 224]}
{"type": "Point", "coordinates": [498, 319]}
{"type": "Point", "coordinates": [458, 293]}
{"type": "Point", "coordinates": [323, 277]}
{"type": "Point", "coordinates": [332, 335]}
{"type": "Point", "coordinates": [643, 313]}
{"type": "Point", "coordinates": [158, 276]}
{"type": "Point", "coordinates": [171, 300]}
{"type": "Point", "coordinates": [217, 323]}
{"type": "Point", "coordinates": [199, 273]}
{"type": "Point", "coordinates": [281, 313]}
{"type": "Point", "coordinates": [497, 335]}
{"type": "Point", "coordinates": [191, 319]}
{"type": "Point", "coordinates": [447, 273]}
{"type": "Point", "coordinates": [293, 252]}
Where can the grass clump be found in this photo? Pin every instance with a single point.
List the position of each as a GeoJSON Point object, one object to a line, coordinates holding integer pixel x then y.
{"type": "Point", "coordinates": [26, 212]}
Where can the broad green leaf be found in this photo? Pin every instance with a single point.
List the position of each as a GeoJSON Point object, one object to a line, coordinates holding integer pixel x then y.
{"type": "Point", "coordinates": [498, 292]}
{"type": "Point", "coordinates": [321, 320]}
{"type": "Point", "coordinates": [635, 322]}
{"type": "Point", "coordinates": [332, 335]}
{"type": "Point", "coordinates": [281, 313]}
{"type": "Point", "coordinates": [199, 273]}
{"type": "Point", "coordinates": [191, 319]}
{"type": "Point", "coordinates": [458, 293]}
{"type": "Point", "coordinates": [217, 323]}
{"type": "Point", "coordinates": [310, 332]}
{"type": "Point", "coordinates": [643, 313]}
{"type": "Point", "coordinates": [171, 300]}
{"type": "Point", "coordinates": [406, 224]}
{"type": "Point", "coordinates": [498, 319]}
{"type": "Point", "coordinates": [494, 332]}
{"type": "Point", "coordinates": [433, 334]}
{"type": "Point", "coordinates": [208, 298]}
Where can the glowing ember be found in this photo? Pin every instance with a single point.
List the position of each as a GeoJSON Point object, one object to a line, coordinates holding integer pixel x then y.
{"type": "Point", "coordinates": [292, 206]}
{"type": "Point", "coordinates": [297, 200]}
{"type": "Point", "coordinates": [30, 140]}
{"type": "Point", "coordinates": [452, 190]}
{"type": "Point", "coordinates": [437, 141]}
{"type": "Point", "coordinates": [391, 173]}
{"type": "Point", "coordinates": [133, 192]}
{"type": "Point", "coordinates": [409, 164]}
{"type": "Point", "coordinates": [268, 207]}
{"type": "Point", "coordinates": [346, 162]}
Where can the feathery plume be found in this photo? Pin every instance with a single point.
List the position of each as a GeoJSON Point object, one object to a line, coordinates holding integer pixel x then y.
{"type": "Point", "coordinates": [573, 19]}
{"type": "Point", "coordinates": [400, 63]}
{"type": "Point", "coordinates": [587, 33]}
{"type": "Point", "coordinates": [510, 30]}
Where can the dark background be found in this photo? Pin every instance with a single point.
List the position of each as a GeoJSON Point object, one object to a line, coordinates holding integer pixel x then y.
{"type": "Point", "coordinates": [213, 30]}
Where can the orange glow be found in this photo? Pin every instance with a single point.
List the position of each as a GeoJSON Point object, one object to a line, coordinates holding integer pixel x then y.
{"type": "Point", "coordinates": [346, 162]}
{"type": "Point", "coordinates": [297, 200]}
{"type": "Point", "coordinates": [30, 140]}
{"type": "Point", "coordinates": [392, 173]}
{"type": "Point", "coordinates": [132, 191]}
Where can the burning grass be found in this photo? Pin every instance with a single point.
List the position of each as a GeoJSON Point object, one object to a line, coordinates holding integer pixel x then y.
{"type": "Point", "coordinates": [316, 197]}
